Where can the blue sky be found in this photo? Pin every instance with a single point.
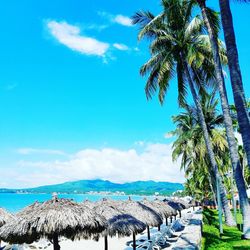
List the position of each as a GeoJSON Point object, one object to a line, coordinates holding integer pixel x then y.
{"type": "Point", "coordinates": [69, 86]}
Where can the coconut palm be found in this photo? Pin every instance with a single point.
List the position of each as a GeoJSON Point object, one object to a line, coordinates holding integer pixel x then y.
{"type": "Point", "coordinates": [190, 144]}
{"type": "Point", "coordinates": [212, 28]}
{"type": "Point", "coordinates": [235, 74]}
{"type": "Point", "coordinates": [179, 48]}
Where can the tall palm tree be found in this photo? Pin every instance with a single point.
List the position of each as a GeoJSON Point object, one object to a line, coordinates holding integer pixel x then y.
{"type": "Point", "coordinates": [191, 149]}
{"type": "Point", "coordinates": [190, 145]}
{"type": "Point", "coordinates": [237, 168]}
{"type": "Point", "coordinates": [178, 45]}
{"type": "Point", "coordinates": [235, 74]}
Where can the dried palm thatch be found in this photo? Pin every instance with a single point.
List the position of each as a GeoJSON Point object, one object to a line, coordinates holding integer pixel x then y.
{"type": "Point", "coordinates": [153, 206]}
{"type": "Point", "coordinates": [174, 204]}
{"type": "Point", "coordinates": [5, 216]}
{"type": "Point", "coordinates": [51, 219]}
{"type": "Point", "coordinates": [118, 223]}
{"type": "Point", "coordinates": [160, 207]}
{"type": "Point", "coordinates": [184, 204]}
{"type": "Point", "coordinates": [125, 225]}
{"type": "Point", "coordinates": [107, 208]}
{"type": "Point", "coordinates": [170, 210]}
{"type": "Point", "coordinates": [141, 212]}
{"type": "Point", "coordinates": [88, 203]}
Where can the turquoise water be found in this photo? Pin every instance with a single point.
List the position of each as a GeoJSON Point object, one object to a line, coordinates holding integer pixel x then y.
{"type": "Point", "coordinates": [16, 202]}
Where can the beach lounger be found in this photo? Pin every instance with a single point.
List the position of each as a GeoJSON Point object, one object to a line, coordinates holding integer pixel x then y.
{"type": "Point", "coordinates": [147, 245]}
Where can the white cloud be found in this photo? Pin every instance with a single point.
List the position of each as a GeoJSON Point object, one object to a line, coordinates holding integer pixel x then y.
{"type": "Point", "coordinates": [154, 162]}
{"type": "Point", "coordinates": [123, 20]}
{"type": "Point", "coordinates": [28, 151]}
{"type": "Point", "coordinates": [140, 143]}
{"type": "Point", "coordinates": [69, 35]}
{"type": "Point", "coordinates": [119, 19]}
{"type": "Point", "coordinates": [168, 135]}
{"type": "Point", "coordinates": [120, 46]}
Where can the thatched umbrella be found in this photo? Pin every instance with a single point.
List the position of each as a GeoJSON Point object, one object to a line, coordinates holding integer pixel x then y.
{"type": "Point", "coordinates": [141, 212]}
{"type": "Point", "coordinates": [118, 223]}
{"type": "Point", "coordinates": [192, 203]}
{"type": "Point", "coordinates": [169, 211]}
{"type": "Point", "coordinates": [175, 205]}
{"type": "Point", "coordinates": [184, 203]}
{"type": "Point", "coordinates": [88, 203]}
{"type": "Point", "coordinates": [5, 216]}
{"type": "Point", "coordinates": [158, 209]}
{"type": "Point", "coordinates": [52, 219]}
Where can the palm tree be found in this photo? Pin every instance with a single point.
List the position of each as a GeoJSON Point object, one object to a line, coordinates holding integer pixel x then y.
{"type": "Point", "coordinates": [191, 149]}
{"type": "Point", "coordinates": [190, 145]}
{"type": "Point", "coordinates": [178, 46]}
{"type": "Point", "coordinates": [237, 168]}
{"type": "Point", "coordinates": [235, 75]}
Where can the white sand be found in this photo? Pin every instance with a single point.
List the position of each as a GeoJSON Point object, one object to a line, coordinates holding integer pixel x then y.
{"type": "Point", "coordinates": [113, 243]}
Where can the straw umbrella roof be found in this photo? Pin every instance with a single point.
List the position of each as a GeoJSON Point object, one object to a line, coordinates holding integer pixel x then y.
{"type": "Point", "coordinates": [5, 216]}
{"type": "Point", "coordinates": [119, 223]}
{"type": "Point", "coordinates": [124, 225]}
{"type": "Point", "coordinates": [88, 203]}
{"type": "Point", "coordinates": [107, 208]}
{"type": "Point", "coordinates": [174, 204]}
{"type": "Point", "coordinates": [160, 210]}
{"type": "Point", "coordinates": [183, 203]}
{"type": "Point", "coordinates": [28, 209]}
{"type": "Point", "coordinates": [165, 206]}
{"type": "Point", "coordinates": [62, 217]}
{"type": "Point", "coordinates": [141, 212]}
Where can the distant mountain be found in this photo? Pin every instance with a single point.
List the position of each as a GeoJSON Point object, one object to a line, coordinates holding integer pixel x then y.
{"type": "Point", "coordinates": [84, 186]}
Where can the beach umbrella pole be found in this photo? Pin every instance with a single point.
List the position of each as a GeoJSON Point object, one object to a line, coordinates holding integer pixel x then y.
{"type": "Point", "coordinates": [166, 221]}
{"type": "Point", "coordinates": [134, 242]}
{"type": "Point", "coordinates": [106, 242]}
{"type": "Point", "coordinates": [56, 242]}
{"type": "Point", "coordinates": [148, 232]}
{"type": "Point", "coordinates": [159, 228]}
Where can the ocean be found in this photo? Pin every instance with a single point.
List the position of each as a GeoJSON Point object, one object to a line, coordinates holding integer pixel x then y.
{"type": "Point", "coordinates": [14, 202]}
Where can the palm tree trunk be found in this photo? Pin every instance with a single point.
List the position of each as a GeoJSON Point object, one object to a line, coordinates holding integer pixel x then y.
{"type": "Point", "coordinates": [213, 189]}
{"type": "Point", "coordinates": [235, 75]}
{"type": "Point", "coordinates": [228, 125]}
{"type": "Point", "coordinates": [228, 216]}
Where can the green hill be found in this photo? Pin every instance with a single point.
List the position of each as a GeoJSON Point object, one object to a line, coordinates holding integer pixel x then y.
{"type": "Point", "coordinates": [83, 186]}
